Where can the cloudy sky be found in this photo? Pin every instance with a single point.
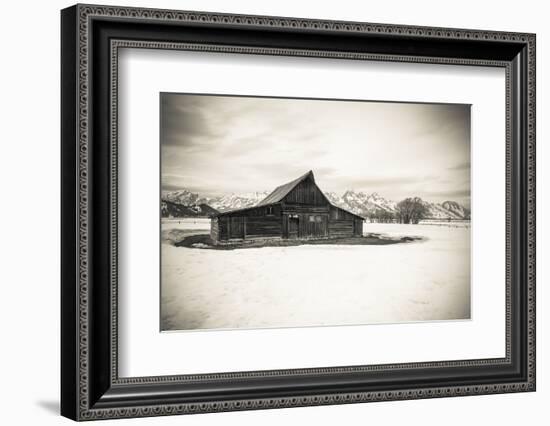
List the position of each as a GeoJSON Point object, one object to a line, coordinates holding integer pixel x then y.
{"type": "Point", "coordinates": [222, 144]}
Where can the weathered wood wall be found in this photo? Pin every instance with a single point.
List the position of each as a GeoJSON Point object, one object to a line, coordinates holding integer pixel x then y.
{"type": "Point", "coordinates": [271, 210]}
{"type": "Point", "coordinates": [304, 209]}
{"type": "Point", "coordinates": [344, 224]}
{"type": "Point", "coordinates": [340, 228]}
{"type": "Point", "coordinates": [358, 227]}
{"type": "Point", "coordinates": [224, 228]}
{"type": "Point", "coordinates": [310, 221]}
{"type": "Point", "coordinates": [306, 192]}
{"type": "Point", "coordinates": [341, 214]}
{"type": "Point", "coordinates": [236, 227]}
{"type": "Point", "coordinates": [269, 226]}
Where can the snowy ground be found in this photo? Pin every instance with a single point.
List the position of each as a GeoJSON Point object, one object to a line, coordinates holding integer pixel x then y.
{"type": "Point", "coordinates": [317, 285]}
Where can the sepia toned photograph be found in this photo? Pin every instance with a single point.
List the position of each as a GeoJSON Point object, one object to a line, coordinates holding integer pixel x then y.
{"type": "Point", "coordinates": [295, 212]}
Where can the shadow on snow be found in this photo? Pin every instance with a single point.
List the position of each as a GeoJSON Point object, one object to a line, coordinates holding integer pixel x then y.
{"type": "Point", "coordinates": [203, 241]}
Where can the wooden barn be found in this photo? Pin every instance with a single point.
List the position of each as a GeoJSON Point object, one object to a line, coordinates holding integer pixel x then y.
{"type": "Point", "coordinates": [295, 210]}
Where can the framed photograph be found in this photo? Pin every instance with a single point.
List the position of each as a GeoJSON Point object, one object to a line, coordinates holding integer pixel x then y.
{"type": "Point", "coordinates": [263, 212]}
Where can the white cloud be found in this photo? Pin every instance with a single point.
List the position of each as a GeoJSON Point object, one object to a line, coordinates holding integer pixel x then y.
{"type": "Point", "coordinates": [222, 144]}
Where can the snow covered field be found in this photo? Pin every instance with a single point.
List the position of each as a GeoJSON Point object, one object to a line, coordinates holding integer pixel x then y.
{"type": "Point", "coordinates": [315, 285]}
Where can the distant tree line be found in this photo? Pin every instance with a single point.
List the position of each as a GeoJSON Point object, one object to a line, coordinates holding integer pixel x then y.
{"type": "Point", "coordinates": [381, 216]}
{"type": "Point", "coordinates": [410, 210]}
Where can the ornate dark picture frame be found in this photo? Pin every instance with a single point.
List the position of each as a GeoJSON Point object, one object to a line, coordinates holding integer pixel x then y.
{"type": "Point", "coordinates": [90, 386]}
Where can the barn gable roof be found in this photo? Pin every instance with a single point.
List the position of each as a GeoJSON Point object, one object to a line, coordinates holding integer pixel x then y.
{"type": "Point", "coordinates": [279, 193]}
{"type": "Point", "coordinates": [282, 191]}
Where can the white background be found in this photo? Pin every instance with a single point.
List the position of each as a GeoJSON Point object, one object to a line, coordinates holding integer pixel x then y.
{"type": "Point", "coordinates": [29, 168]}
{"type": "Point", "coordinates": [146, 352]}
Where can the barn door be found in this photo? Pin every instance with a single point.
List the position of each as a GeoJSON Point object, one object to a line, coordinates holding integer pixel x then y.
{"type": "Point", "coordinates": [293, 225]}
{"type": "Point", "coordinates": [316, 226]}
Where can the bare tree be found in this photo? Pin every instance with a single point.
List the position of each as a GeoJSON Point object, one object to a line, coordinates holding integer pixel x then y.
{"type": "Point", "coordinates": [411, 210]}
{"type": "Point", "coordinates": [387, 217]}
{"type": "Point", "coordinates": [372, 217]}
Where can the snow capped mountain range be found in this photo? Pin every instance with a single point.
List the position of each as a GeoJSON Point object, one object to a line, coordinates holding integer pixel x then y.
{"type": "Point", "coordinates": [222, 203]}
{"type": "Point", "coordinates": [183, 197]}
{"type": "Point", "coordinates": [357, 202]}
{"type": "Point", "coordinates": [368, 204]}
{"type": "Point", "coordinates": [361, 203]}
{"type": "Point", "coordinates": [234, 201]}
{"type": "Point", "coordinates": [457, 209]}
{"type": "Point", "coordinates": [170, 209]}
